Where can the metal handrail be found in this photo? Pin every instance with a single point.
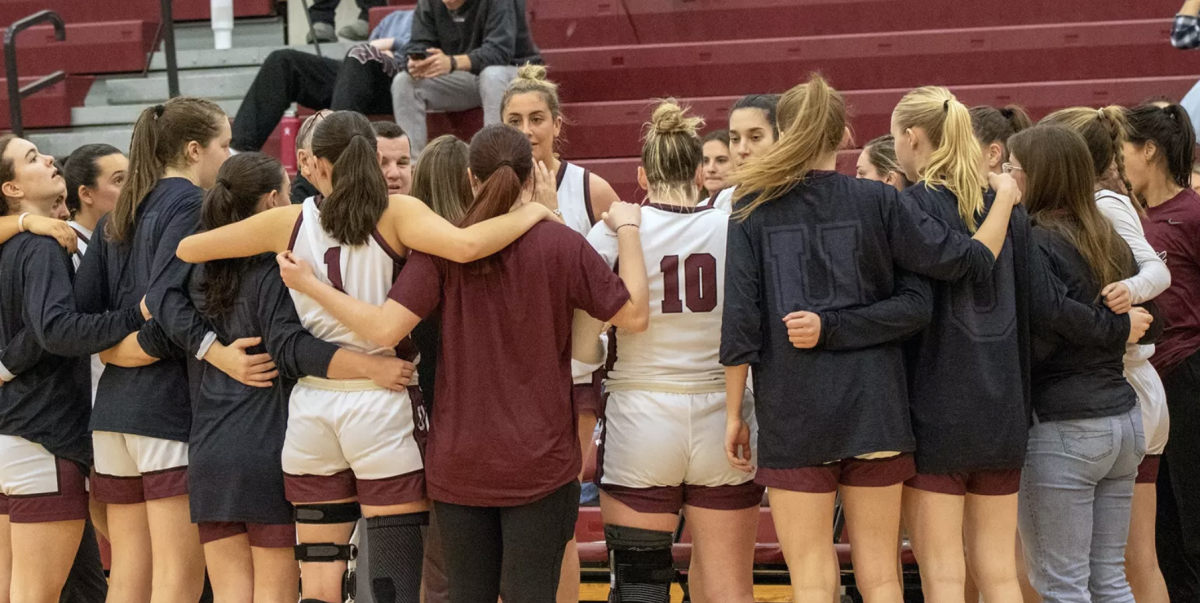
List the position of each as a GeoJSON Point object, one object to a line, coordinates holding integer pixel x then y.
{"type": "Point", "coordinates": [15, 91]}
{"type": "Point", "coordinates": [168, 25]}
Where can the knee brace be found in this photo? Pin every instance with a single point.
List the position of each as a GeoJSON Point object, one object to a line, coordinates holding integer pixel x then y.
{"type": "Point", "coordinates": [641, 564]}
{"type": "Point", "coordinates": [396, 545]}
{"type": "Point", "coordinates": [329, 552]}
{"type": "Point", "coordinates": [328, 513]}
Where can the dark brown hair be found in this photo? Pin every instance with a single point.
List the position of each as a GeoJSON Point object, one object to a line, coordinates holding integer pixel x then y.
{"type": "Point", "coordinates": [440, 178]}
{"type": "Point", "coordinates": [8, 171]}
{"type": "Point", "coordinates": [360, 195]}
{"type": "Point", "coordinates": [160, 138]}
{"type": "Point", "coordinates": [82, 168]}
{"type": "Point", "coordinates": [1103, 130]}
{"type": "Point", "coordinates": [1059, 194]}
{"type": "Point", "coordinates": [992, 125]}
{"type": "Point", "coordinates": [241, 183]}
{"type": "Point", "coordinates": [1170, 128]}
{"type": "Point", "coordinates": [387, 129]}
{"type": "Point", "coordinates": [767, 103]}
{"type": "Point", "coordinates": [501, 161]}
{"type": "Point", "coordinates": [721, 136]}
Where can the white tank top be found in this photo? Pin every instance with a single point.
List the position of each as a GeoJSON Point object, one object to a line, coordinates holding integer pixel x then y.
{"type": "Point", "coordinates": [685, 266]}
{"type": "Point", "coordinates": [364, 272]}
{"type": "Point", "coordinates": [575, 204]}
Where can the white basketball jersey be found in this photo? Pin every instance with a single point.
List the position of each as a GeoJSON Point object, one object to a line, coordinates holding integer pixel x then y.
{"type": "Point", "coordinates": [83, 235]}
{"type": "Point", "coordinates": [575, 205]}
{"type": "Point", "coordinates": [724, 200]}
{"type": "Point", "coordinates": [364, 272]}
{"type": "Point", "coordinates": [684, 250]}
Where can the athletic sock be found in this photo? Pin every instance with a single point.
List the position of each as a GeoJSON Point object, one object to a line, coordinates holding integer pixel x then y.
{"type": "Point", "coordinates": [641, 564]}
{"type": "Point", "coordinates": [396, 546]}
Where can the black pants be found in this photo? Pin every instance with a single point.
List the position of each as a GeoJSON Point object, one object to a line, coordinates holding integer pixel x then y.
{"type": "Point", "coordinates": [291, 76]}
{"type": "Point", "coordinates": [86, 582]}
{"type": "Point", "coordinates": [524, 545]}
{"type": "Point", "coordinates": [1178, 521]}
{"type": "Point", "coordinates": [322, 11]}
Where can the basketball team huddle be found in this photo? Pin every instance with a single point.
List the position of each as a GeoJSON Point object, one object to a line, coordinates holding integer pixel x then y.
{"type": "Point", "coordinates": [959, 345]}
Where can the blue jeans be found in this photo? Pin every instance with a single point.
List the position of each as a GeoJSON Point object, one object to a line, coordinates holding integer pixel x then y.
{"type": "Point", "coordinates": [1076, 492]}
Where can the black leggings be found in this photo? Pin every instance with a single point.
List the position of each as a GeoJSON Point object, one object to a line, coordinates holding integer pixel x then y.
{"type": "Point", "coordinates": [1178, 523]}
{"type": "Point", "coordinates": [521, 545]}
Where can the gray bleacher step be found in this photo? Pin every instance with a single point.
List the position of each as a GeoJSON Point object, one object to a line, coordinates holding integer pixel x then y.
{"type": "Point", "coordinates": [198, 35]}
{"type": "Point", "coordinates": [107, 115]}
{"type": "Point", "coordinates": [249, 56]}
{"type": "Point", "coordinates": [60, 143]}
{"type": "Point", "coordinates": [209, 83]}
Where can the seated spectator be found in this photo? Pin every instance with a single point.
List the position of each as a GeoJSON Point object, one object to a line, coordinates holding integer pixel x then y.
{"type": "Point", "coordinates": [395, 158]}
{"type": "Point", "coordinates": [462, 55]}
{"type": "Point", "coordinates": [322, 13]}
{"type": "Point", "coordinates": [291, 76]}
{"type": "Point", "coordinates": [1185, 33]}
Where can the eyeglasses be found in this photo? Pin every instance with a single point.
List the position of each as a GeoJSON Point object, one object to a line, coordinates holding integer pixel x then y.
{"type": "Point", "coordinates": [1009, 168]}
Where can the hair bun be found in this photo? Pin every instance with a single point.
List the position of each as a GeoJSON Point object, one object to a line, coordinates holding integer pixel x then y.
{"type": "Point", "coordinates": [670, 118]}
{"type": "Point", "coordinates": [530, 71]}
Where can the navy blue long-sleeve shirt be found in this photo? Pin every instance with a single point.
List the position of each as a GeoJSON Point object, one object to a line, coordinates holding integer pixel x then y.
{"type": "Point", "coordinates": [830, 243]}
{"type": "Point", "coordinates": [50, 401]}
{"type": "Point", "coordinates": [153, 400]}
{"type": "Point", "coordinates": [969, 370]}
{"type": "Point", "coordinates": [234, 471]}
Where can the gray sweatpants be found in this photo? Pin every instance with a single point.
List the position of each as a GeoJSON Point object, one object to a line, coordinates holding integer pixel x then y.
{"type": "Point", "coordinates": [458, 91]}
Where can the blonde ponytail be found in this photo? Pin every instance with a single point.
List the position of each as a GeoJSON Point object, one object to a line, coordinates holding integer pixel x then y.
{"type": "Point", "coordinates": [816, 120]}
{"type": "Point", "coordinates": [955, 162]}
{"type": "Point", "coordinates": [672, 151]}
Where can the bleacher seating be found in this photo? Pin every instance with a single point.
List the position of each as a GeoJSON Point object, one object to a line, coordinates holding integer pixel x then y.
{"type": "Point", "coordinates": [50, 107]}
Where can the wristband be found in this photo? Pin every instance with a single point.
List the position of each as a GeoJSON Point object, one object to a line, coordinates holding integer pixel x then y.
{"type": "Point", "coordinates": [453, 64]}
{"type": "Point", "coordinates": [627, 224]}
{"type": "Point", "coordinates": [21, 222]}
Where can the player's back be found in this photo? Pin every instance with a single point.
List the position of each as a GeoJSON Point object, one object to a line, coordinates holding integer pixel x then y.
{"type": "Point", "coordinates": [364, 272]}
{"type": "Point", "coordinates": [684, 249]}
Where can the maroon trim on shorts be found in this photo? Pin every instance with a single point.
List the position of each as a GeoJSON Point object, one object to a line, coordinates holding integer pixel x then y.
{"type": "Point", "coordinates": [420, 417]}
{"type": "Point", "coordinates": [295, 232]}
{"type": "Point", "coordinates": [166, 483]}
{"type": "Point", "coordinates": [3, 504]}
{"type": "Point", "coordinates": [261, 535]}
{"type": "Point", "coordinates": [118, 490]}
{"type": "Point", "coordinates": [724, 498]}
{"type": "Point", "coordinates": [657, 499]}
{"type": "Point", "coordinates": [1148, 469]}
{"type": "Point", "coordinates": [68, 503]}
{"type": "Point", "coordinates": [302, 489]}
{"type": "Point", "coordinates": [398, 490]}
{"type": "Point", "coordinates": [588, 397]}
{"type": "Point", "coordinates": [990, 482]}
{"type": "Point", "coordinates": [858, 473]}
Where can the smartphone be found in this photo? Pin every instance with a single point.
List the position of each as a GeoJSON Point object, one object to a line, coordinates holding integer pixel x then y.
{"type": "Point", "coordinates": [418, 56]}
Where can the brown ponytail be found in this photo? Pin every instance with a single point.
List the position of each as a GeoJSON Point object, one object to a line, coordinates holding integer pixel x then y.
{"type": "Point", "coordinates": [360, 196]}
{"type": "Point", "coordinates": [501, 161]}
{"type": "Point", "coordinates": [160, 138]}
{"type": "Point", "coordinates": [1104, 130]}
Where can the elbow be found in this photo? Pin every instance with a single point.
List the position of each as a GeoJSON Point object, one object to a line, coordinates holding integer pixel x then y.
{"type": "Point", "coordinates": [468, 252]}
{"type": "Point", "coordinates": [387, 338]}
{"type": "Point", "coordinates": [640, 321]}
{"type": "Point", "coordinates": [187, 252]}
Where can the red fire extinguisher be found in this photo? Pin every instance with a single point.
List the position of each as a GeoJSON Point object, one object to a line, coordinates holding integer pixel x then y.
{"type": "Point", "coordinates": [290, 124]}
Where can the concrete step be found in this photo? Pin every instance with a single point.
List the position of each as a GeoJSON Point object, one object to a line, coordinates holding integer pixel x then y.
{"type": "Point", "coordinates": [61, 143]}
{"type": "Point", "coordinates": [250, 56]}
{"type": "Point", "coordinates": [267, 31]}
{"type": "Point", "coordinates": [210, 83]}
{"type": "Point", "coordinates": [108, 115]}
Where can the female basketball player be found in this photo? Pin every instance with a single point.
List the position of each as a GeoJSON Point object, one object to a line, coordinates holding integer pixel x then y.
{"type": "Point", "coordinates": [352, 444]}
{"type": "Point", "coordinates": [664, 418]}
{"type": "Point", "coordinates": [969, 461]}
{"type": "Point", "coordinates": [878, 162]}
{"type": "Point", "coordinates": [1086, 443]}
{"type": "Point", "coordinates": [44, 448]}
{"type": "Point", "coordinates": [1104, 130]}
{"type": "Point", "coordinates": [993, 127]}
{"type": "Point", "coordinates": [531, 104]}
{"type": "Point", "coordinates": [95, 174]}
{"type": "Point", "coordinates": [498, 519]}
{"type": "Point", "coordinates": [1158, 158]}
{"type": "Point", "coordinates": [793, 205]}
{"type": "Point", "coordinates": [718, 162]}
{"type": "Point", "coordinates": [752, 132]}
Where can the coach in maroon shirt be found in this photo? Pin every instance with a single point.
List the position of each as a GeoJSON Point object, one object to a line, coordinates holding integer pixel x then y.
{"type": "Point", "coordinates": [503, 457]}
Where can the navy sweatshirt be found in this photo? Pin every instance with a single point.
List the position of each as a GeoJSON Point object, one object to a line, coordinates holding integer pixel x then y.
{"type": "Point", "coordinates": [1071, 379]}
{"type": "Point", "coordinates": [828, 244]}
{"type": "Point", "coordinates": [152, 400]}
{"type": "Point", "coordinates": [50, 401]}
{"type": "Point", "coordinates": [234, 470]}
{"type": "Point", "coordinates": [969, 371]}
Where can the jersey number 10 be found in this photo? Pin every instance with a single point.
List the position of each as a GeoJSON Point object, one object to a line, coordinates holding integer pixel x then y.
{"type": "Point", "coordinates": [700, 283]}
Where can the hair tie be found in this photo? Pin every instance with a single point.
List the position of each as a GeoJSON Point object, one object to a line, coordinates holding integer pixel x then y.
{"type": "Point", "coordinates": [504, 163]}
{"type": "Point", "coordinates": [158, 110]}
{"type": "Point", "coordinates": [946, 106]}
{"type": "Point", "coordinates": [223, 182]}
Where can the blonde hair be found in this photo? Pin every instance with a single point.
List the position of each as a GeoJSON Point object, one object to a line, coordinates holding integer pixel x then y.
{"type": "Point", "coordinates": [671, 149]}
{"type": "Point", "coordinates": [955, 163]}
{"type": "Point", "coordinates": [532, 78]}
{"type": "Point", "coordinates": [816, 116]}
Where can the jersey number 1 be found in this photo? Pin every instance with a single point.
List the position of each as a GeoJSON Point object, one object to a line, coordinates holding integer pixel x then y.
{"type": "Point", "coordinates": [700, 280]}
{"type": "Point", "coordinates": [333, 267]}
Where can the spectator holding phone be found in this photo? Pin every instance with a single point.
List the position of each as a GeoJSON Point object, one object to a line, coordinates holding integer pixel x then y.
{"type": "Point", "coordinates": [462, 54]}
